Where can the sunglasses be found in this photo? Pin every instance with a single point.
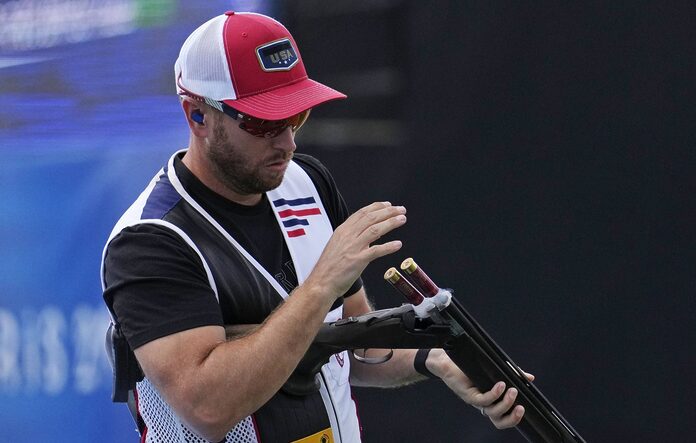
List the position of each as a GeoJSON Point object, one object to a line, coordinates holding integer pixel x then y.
{"type": "Point", "coordinates": [255, 126]}
{"type": "Point", "coordinates": [265, 128]}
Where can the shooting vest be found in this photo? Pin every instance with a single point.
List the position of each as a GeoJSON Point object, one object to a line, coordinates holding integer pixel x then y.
{"type": "Point", "coordinates": [306, 229]}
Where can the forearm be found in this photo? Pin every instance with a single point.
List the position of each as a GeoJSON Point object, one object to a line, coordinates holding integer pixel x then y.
{"type": "Point", "coordinates": [261, 362]}
{"type": "Point", "coordinates": [235, 378]}
{"type": "Point", "coordinates": [397, 371]}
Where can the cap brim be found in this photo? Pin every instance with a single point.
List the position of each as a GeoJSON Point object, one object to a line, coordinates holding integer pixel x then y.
{"type": "Point", "coordinates": [286, 101]}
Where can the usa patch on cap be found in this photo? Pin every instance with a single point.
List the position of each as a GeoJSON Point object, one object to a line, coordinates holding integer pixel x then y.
{"type": "Point", "coordinates": [277, 56]}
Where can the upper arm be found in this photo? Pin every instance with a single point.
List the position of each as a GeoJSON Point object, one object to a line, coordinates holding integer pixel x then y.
{"type": "Point", "coordinates": [357, 304]}
{"type": "Point", "coordinates": [156, 285]}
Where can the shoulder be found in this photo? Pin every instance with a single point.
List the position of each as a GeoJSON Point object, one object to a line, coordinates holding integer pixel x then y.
{"type": "Point", "coordinates": [316, 170]}
{"type": "Point", "coordinates": [139, 243]}
{"type": "Point", "coordinates": [146, 256]}
{"type": "Point", "coordinates": [148, 233]}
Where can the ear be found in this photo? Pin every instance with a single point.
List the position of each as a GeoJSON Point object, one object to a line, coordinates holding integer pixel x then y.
{"type": "Point", "coordinates": [197, 117]}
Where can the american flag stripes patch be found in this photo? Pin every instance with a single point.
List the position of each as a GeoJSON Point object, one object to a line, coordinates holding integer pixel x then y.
{"type": "Point", "coordinates": [295, 216]}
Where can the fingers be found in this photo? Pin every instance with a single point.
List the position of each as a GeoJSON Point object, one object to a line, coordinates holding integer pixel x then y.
{"type": "Point", "coordinates": [503, 414]}
{"type": "Point", "coordinates": [361, 218]}
{"type": "Point", "coordinates": [382, 222]}
{"type": "Point", "coordinates": [484, 399]}
{"type": "Point", "coordinates": [351, 247]}
{"type": "Point", "coordinates": [375, 220]}
{"type": "Point", "coordinates": [497, 403]}
{"type": "Point", "coordinates": [376, 251]}
{"type": "Point", "coordinates": [509, 420]}
{"type": "Point", "coordinates": [502, 406]}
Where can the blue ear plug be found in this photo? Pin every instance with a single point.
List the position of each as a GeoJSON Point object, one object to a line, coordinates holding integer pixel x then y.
{"type": "Point", "coordinates": [197, 117]}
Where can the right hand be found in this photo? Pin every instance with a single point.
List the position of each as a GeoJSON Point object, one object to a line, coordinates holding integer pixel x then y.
{"type": "Point", "coordinates": [350, 248]}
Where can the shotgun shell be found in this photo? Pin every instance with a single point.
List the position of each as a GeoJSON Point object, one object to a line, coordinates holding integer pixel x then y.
{"type": "Point", "coordinates": [404, 286]}
{"type": "Point", "coordinates": [420, 279]}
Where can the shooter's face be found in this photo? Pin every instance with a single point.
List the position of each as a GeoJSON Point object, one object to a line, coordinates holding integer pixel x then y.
{"type": "Point", "coordinates": [247, 164]}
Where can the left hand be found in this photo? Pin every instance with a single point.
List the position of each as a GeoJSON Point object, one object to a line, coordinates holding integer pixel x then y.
{"type": "Point", "coordinates": [501, 413]}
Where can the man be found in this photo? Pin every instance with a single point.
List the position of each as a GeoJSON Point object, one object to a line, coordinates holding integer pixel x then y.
{"type": "Point", "coordinates": [225, 232]}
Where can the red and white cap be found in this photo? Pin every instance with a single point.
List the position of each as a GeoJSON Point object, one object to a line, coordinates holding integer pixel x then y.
{"type": "Point", "coordinates": [250, 62]}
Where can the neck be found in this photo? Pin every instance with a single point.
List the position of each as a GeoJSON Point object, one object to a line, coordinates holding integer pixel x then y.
{"type": "Point", "coordinates": [193, 161]}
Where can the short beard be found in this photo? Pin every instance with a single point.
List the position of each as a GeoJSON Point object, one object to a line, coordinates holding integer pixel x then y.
{"type": "Point", "coordinates": [232, 169]}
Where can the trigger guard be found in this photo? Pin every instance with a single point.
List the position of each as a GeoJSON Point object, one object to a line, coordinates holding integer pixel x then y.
{"type": "Point", "coordinates": [374, 360]}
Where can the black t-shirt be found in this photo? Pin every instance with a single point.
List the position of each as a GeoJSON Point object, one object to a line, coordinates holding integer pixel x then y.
{"type": "Point", "coordinates": [155, 282]}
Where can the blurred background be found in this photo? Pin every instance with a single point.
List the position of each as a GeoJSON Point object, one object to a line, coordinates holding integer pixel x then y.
{"type": "Point", "coordinates": [544, 150]}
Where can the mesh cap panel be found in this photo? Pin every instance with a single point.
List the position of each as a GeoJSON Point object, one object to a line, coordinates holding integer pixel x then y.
{"type": "Point", "coordinates": [202, 62]}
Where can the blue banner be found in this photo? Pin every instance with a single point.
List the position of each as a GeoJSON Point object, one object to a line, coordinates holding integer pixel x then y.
{"type": "Point", "coordinates": [89, 114]}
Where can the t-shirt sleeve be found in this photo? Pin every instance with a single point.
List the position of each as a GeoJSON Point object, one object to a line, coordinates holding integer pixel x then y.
{"type": "Point", "coordinates": [335, 206]}
{"type": "Point", "coordinates": [156, 284]}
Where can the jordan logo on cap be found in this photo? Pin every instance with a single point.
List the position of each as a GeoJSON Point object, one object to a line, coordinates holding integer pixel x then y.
{"type": "Point", "coordinates": [277, 56]}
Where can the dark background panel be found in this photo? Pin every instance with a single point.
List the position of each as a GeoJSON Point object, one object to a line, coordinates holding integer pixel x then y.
{"type": "Point", "coordinates": [546, 159]}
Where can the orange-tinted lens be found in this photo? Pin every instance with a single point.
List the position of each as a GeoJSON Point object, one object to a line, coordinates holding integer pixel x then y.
{"type": "Point", "coordinates": [271, 128]}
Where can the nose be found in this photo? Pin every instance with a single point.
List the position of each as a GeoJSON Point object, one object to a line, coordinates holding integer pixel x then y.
{"type": "Point", "coordinates": [285, 141]}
